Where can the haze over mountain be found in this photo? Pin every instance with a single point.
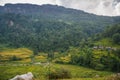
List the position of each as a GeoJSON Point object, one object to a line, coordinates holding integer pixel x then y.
{"type": "Point", "coordinates": [99, 7]}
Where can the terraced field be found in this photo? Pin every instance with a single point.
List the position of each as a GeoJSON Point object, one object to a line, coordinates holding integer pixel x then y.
{"type": "Point", "coordinates": [10, 69]}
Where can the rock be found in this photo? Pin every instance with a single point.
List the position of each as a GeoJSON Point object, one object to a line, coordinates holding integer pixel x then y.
{"type": "Point", "coordinates": [28, 76]}
{"type": "Point", "coordinates": [38, 63]}
{"type": "Point", "coordinates": [97, 76]}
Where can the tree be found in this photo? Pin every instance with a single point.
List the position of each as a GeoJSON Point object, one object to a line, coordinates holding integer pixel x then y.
{"type": "Point", "coordinates": [116, 38]}
{"type": "Point", "coordinates": [50, 55]}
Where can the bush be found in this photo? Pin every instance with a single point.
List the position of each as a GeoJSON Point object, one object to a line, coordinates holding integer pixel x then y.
{"type": "Point", "coordinates": [59, 73]}
{"type": "Point", "coordinates": [14, 58]}
{"type": "Point", "coordinates": [117, 52]}
{"type": "Point", "coordinates": [59, 62]}
{"type": "Point", "coordinates": [116, 38]}
{"type": "Point", "coordinates": [99, 67]}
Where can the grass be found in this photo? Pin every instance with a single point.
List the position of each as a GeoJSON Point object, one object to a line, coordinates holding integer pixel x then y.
{"type": "Point", "coordinates": [87, 79]}
{"type": "Point", "coordinates": [82, 72]}
{"type": "Point", "coordinates": [77, 72]}
{"type": "Point", "coordinates": [9, 72]}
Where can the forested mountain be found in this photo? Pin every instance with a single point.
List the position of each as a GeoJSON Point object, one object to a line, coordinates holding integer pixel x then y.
{"type": "Point", "coordinates": [19, 31]}
{"type": "Point", "coordinates": [53, 12]}
{"type": "Point", "coordinates": [48, 27]}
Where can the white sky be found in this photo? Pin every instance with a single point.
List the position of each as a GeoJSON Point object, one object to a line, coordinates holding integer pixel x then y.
{"type": "Point", "coordinates": [100, 7]}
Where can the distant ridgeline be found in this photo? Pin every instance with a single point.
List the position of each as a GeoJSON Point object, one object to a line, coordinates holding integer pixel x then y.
{"type": "Point", "coordinates": [56, 13]}
{"type": "Point", "coordinates": [48, 27]}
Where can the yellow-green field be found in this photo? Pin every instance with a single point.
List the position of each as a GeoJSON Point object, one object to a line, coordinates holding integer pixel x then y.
{"type": "Point", "coordinates": [22, 53]}
{"type": "Point", "coordinates": [12, 68]}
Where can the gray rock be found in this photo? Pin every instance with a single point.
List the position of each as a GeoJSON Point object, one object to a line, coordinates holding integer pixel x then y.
{"type": "Point", "coordinates": [28, 76]}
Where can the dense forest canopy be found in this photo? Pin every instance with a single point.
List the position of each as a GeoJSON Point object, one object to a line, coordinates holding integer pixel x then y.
{"type": "Point", "coordinates": [48, 27]}
{"type": "Point", "coordinates": [113, 32]}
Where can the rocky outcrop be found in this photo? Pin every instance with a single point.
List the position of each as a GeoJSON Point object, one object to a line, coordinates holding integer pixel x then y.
{"type": "Point", "coordinates": [28, 76]}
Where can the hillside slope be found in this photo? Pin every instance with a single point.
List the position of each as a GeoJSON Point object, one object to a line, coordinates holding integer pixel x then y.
{"type": "Point", "coordinates": [48, 27]}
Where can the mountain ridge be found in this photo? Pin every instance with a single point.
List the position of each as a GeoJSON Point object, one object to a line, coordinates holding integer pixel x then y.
{"type": "Point", "coordinates": [54, 12]}
{"type": "Point", "coordinates": [18, 5]}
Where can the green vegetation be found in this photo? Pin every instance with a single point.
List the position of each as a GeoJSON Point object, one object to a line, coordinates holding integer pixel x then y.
{"type": "Point", "coordinates": [40, 72]}
{"type": "Point", "coordinates": [113, 33]}
{"type": "Point", "coordinates": [59, 73]}
{"type": "Point", "coordinates": [54, 42]}
{"type": "Point", "coordinates": [109, 48]}
{"type": "Point", "coordinates": [56, 30]}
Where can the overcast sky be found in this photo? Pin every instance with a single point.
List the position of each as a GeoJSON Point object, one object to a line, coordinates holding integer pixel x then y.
{"type": "Point", "coordinates": [100, 7]}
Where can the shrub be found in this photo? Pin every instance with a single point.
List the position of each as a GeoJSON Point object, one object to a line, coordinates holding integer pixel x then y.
{"type": "Point", "coordinates": [14, 58]}
{"type": "Point", "coordinates": [116, 38]}
{"type": "Point", "coordinates": [99, 67]}
{"type": "Point", "coordinates": [59, 73]}
{"type": "Point", "coordinates": [59, 61]}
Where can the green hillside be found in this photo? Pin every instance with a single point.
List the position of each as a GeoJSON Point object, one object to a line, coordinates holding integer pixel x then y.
{"type": "Point", "coordinates": [108, 44]}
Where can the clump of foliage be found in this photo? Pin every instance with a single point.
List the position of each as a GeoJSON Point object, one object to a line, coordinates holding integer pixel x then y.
{"type": "Point", "coordinates": [14, 58]}
{"type": "Point", "coordinates": [116, 38]}
{"type": "Point", "coordinates": [59, 73]}
{"type": "Point", "coordinates": [81, 57]}
{"type": "Point", "coordinates": [110, 63]}
{"type": "Point", "coordinates": [113, 32]}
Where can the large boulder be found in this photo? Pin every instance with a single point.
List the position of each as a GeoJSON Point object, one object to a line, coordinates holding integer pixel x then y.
{"type": "Point", "coordinates": [28, 76]}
